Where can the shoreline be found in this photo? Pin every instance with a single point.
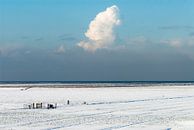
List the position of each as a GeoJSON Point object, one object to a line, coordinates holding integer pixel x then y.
{"type": "Point", "coordinates": [100, 86]}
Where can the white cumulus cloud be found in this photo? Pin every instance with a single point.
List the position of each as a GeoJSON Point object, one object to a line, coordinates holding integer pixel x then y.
{"type": "Point", "coordinates": [100, 33]}
{"type": "Point", "coordinates": [174, 42]}
{"type": "Point", "coordinates": [180, 42]}
{"type": "Point", "coordinates": [60, 50]}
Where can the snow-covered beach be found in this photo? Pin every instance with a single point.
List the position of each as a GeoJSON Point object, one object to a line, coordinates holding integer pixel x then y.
{"type": "Point", "coordinates": [134, 108]}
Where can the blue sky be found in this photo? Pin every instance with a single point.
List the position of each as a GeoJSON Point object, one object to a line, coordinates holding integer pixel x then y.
{"type": "Point", "coordinates": [39, 40]}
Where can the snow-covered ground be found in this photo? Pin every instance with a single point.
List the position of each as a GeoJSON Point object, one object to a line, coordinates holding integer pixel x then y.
{"type": "Point", "coordinates": [135, 108]}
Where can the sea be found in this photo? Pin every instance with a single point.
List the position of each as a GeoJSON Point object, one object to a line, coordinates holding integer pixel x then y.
{"type": "Point", "coordinates": [93, 83]}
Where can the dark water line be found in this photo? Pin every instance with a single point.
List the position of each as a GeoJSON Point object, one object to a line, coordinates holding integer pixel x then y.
{"type": "Point", "coordinates": [92, 82]}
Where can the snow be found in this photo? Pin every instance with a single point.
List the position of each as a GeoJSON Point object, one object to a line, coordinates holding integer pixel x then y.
{"type": "Point", "coordinates": [134, 108]}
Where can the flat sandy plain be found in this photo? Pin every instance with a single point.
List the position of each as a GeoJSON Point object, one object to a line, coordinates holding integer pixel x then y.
{"type": "Point", "coordinates": [129, 108]}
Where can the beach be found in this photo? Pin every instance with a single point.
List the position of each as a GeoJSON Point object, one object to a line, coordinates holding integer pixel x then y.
{"type": "Point", "coordinates": [134, 108]}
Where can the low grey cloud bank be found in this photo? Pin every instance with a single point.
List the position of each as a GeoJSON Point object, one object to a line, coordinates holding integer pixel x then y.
{"type": "Point", "coordinates": [100, 33]}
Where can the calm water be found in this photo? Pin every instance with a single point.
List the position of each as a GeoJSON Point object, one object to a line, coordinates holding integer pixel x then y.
{"type": "Point", "coordinates": [96, 83]}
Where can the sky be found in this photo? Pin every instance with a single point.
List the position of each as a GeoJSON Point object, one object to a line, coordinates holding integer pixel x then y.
{"type": "Point", "coordinates": [68, 40]}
